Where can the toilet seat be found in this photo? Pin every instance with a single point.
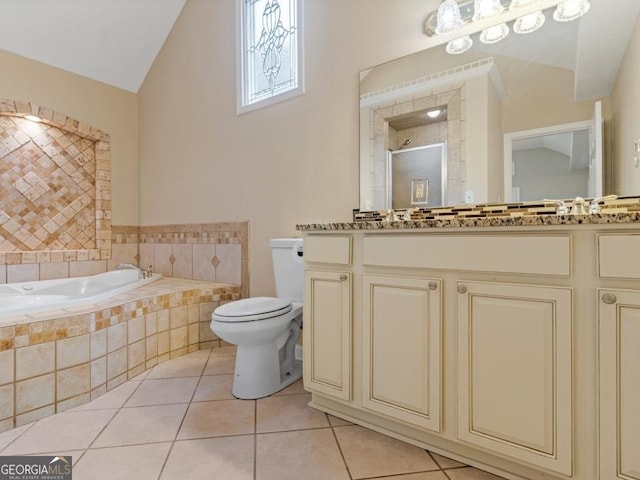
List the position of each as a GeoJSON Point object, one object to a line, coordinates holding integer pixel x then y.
{"type": "Point", "coordinates": [252, 309]}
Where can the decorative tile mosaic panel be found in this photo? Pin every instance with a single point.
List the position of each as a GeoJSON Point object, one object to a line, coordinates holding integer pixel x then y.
{"type": "Point", "coordinates": [55, 187]}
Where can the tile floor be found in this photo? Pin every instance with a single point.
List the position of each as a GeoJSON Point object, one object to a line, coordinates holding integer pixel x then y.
{"type": "Point", "coordinates": [180, 421]}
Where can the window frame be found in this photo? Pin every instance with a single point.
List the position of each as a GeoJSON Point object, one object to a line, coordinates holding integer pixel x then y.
{"type": "Point", "coordinates": [242, 86]}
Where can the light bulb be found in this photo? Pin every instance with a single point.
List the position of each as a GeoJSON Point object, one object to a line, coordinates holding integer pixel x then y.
{"type": "Point", "coordinates": [449, 18]}
{"type": "Point", "coordinates": [494, 34]}
{"type": "Point", "coordinates": [459, 45]}
{"type": "Point", "coordinates": [486, 8]}
{"type": "Point", "coordinates": [529, 23]}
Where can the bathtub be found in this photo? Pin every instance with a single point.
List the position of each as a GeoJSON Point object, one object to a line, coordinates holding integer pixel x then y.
{"type": "Point", "coordinates": [28, 297]}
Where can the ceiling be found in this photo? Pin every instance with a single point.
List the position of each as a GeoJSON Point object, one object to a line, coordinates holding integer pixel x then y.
{"type": "Point", "coordinates": [117, 41]}
{"type": "Point", "coordinates": [111, 41]}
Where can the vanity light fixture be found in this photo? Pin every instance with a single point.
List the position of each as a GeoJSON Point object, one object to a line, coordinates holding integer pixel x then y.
{"type": "Point", "coordinates": [570, 10]}
{"type": "Point", "coordinates": [452, 15]}
{"type": "Point", "coordinates": [33, 118]}
{"type": "Point", "coordinates": [434, 113]}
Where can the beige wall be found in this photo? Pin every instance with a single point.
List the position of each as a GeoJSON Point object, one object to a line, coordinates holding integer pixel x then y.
{"type": "Point", "coordinates": [626, 120]}
{"type": "Point", "coordinates": [294, 162]}
{"type": "Point", "coordinates": [110, 109]}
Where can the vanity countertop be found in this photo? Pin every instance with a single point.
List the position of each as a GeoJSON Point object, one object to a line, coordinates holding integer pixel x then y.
{"type": "Point", "coordinates": [497, 221]}
{"type": "Point", "coordinates": [526, 214]}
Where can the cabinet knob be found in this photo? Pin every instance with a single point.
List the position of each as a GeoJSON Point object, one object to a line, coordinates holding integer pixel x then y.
{"type": "Point", "coordinates": [343, 277]}
{"type": "Point", "coordinates": [462, 289]}
{"type": "Point", "coordinates": [609, 298]}
{"type": "Point", "coordinates": [433, 285]}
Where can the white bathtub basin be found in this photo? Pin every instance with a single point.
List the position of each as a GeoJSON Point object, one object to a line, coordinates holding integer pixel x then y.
{"type": "Point", "coordinates": [28, 297]}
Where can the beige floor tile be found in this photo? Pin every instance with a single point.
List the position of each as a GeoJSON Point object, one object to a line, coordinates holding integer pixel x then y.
{"type": "Point", "coordinates": [163, 391]}
{"type": "Point", "coordinates": [308, 454]}
{"type": "Point", "coordinates": [220, 365]}
{"type": "Point", "coordinates": [470, 473]}
{"type": "Point", "coordinates": [224, 458]}
{"type": "Point", "coordinates": [218, 419]}
{"type": "Point", "coordinates": [115, 398]}
{"type": "Point", "coordinates": [293, 389]}
{"type": "Point", "coordinates": [186, 366]}
{"type": "Point", "coordinates": [74, 454]}
{"type": "Point", "coordinates": [337, 422]}
{"type": "Point", "coordinates": [370, 454]}
{"type": "Point", "coordinates": [445, 462]}
{"type": "Point", "coordinates": [63, 431]}
{"type": "Point", "coordinates": [214, 387]}
{"type": "Point", "coordinates": [142, 462]}
{"type": "Point", "coordinates": [224, 351]}
{"type": "Point", "coordinates": [137, 425]}
{"type": "Point", "coordinates": [10, 435]}
{"type": "Point", "coordinates": [417, 476]}
{"type": "Point", "coordinates": [288, 412]}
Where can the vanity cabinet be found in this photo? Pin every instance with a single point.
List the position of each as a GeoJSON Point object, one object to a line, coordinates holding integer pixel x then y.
{"type": "Point", "coordinates": [515, 371]}
{"type": "Point", "coordinates": [513, 349]}
{"type": "Point", "coordinates": [619, 361]}
{"type": "Point", "coordinates": [327, 362]}
{"type": "Point", "coordinates": [619, 326]}
{"type": "Point", "coordinates": [401, 348]}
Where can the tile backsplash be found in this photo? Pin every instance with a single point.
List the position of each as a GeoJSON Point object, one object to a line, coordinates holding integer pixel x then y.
{"type": "Point", "coordinates": [216, 252]}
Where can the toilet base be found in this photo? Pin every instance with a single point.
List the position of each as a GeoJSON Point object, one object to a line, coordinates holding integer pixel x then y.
{"type": "Point", "coordinates": [257, 372]}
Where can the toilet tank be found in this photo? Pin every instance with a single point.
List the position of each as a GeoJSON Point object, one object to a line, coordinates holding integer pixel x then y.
{"type": "Point", "coordinates": [288, 268]}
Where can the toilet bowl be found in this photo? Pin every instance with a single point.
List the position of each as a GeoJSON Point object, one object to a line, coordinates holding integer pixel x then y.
{"type": "Point", "coordinates": [266, 329]}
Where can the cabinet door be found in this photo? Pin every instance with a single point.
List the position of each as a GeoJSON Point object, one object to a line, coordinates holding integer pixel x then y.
{"type": "Point", "coordinates": [327, 333]}
{"type": "Point", "coordinates": [515, 371]}
{"type": "Point", "coordinates": [619, 319]}
{"type": "Point", "coordinates": [401, 320]}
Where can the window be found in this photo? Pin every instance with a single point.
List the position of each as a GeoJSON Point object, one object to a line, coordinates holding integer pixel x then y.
{"type": "Point", "coordinates": [269, 52]}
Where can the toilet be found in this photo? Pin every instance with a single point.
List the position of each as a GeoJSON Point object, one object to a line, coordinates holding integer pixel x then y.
{"type": "Point", "coordinates": [266, 329]}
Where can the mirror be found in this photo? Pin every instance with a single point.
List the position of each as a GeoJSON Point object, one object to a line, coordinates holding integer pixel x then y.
{"type": "Point", "coordinates": [524, 83]}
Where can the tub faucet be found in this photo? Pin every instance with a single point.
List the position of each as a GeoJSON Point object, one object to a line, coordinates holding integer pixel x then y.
{"type": "Point", "coordinates": [142, 274]}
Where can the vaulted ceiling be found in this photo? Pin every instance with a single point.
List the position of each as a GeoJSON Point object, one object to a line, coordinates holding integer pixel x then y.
{"type": "Point", "coordinates": [112, 41]}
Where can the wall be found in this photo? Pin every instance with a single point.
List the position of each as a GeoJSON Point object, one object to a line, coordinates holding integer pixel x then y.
{"type": "Point", "coordinates": [626, 121]}
{"type": "Point", "coordinates": [293, 162]}
{"type": "Point", "coordinates": [107, 108]}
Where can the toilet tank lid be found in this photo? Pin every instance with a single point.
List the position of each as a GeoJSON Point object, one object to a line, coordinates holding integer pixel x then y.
{"type": "Point", "coordinates": [284, 242]}
{"type": "Point", "coordinates": [252, 306]}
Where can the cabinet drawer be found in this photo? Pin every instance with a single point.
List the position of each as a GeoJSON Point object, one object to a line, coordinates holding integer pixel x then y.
{"type": "Point", "coordinates": [618, 256]}
{"type": "Point", "coordinates": [542, 255]}
{"type": "Point", "coordinates": [333, 249]}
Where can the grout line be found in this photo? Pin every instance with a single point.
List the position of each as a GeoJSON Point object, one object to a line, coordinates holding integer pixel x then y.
{"type": "Point", "coordinates": [344, 460]}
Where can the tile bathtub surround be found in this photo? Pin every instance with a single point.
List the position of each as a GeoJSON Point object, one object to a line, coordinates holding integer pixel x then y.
{"type": "Point", "coordinates": [53, 361]}
{"type": "Point", "coordinates": [179, 421]}
{"type": "Point", "coordinates": [56, 182]}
